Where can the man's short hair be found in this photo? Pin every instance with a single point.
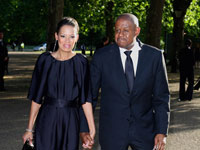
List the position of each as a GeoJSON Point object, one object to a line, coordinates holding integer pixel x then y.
{"type": "Point", "coordinates": [131, 17]}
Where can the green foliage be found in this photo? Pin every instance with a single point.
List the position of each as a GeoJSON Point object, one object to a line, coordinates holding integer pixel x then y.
{"type": "Point", "coordinates": [92, 19]}
{"type": "Point", "coordinates": [27, 19]}
{"type": "Point", "coordinates": [167, 21]}
{"type": "Point", "coordinates": [192, 19]}
{"type": "Point", "coordinates": [24, 20]}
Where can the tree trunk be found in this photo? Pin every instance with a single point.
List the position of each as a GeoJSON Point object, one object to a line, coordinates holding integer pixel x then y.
{"type": "Point", "coordinates": [154, 22]}
{"type": "Point", "coordinates": [55, 14]}
{"type": "Point", "coordinates": [180, 8]}
{"type": "Point", "coordinates": [109, 21]}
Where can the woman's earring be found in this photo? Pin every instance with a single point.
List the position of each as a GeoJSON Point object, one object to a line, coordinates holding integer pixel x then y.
{"type": "Point", "coordinates": [54, 48]}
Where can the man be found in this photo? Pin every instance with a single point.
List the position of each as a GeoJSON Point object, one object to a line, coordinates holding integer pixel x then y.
{"type": "Point", "coordinates": [186, 67]}
{"type": "Point", "coordinates": [83, 48]}
{"type": "Point", "coordinates": [134, 109]}
{"type": "Point", "coordinates": [3, 60]}
{"type": "Point", "coordinates": [22, 46]}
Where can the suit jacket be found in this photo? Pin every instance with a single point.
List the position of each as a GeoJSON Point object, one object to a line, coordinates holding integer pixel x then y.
{"type": "Point", "coordinates": [145, 111]}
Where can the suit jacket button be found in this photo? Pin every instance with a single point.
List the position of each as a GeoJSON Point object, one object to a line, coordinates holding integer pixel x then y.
{"type": "Point", "coordinates": [134, 92]}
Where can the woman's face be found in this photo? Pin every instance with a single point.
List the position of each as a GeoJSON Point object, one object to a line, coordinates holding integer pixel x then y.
{"type": "Point", "coordinates": [67, 37]}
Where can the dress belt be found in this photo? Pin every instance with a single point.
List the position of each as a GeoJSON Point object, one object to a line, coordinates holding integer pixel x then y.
{"type": "Point", "coordinates": [61, 102]}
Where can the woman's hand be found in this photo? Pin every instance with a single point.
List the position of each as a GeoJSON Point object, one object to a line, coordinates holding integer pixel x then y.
{"type": "Point", "coordinates": [87, 108]}
{"type": "Point", "coordinates": [87, 141]}
{"type": "Point", "coordinates": [92, 133]}
{"type": "Point", "coordinates": [28, 136]}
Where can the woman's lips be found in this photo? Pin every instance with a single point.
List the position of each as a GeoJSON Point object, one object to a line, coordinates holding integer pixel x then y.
{"type": "Point", "coordinates": [67, 45]}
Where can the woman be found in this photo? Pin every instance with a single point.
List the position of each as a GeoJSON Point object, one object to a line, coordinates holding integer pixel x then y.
{"type": "Point", "coordinates": [59, 87]}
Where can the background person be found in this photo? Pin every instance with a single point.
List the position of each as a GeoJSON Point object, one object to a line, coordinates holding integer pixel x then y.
{"type": "Point", "coordinates": [3, 60]}
{"type": "Point", "coordinates": [22, 46]}
{"type": "Point", "coordinates": [186, 68]}
{"type": "Point", "coordinates": [197, 55]}
{"type": "Point", "coordinates": [83, 48]}
{"type": "Point", "coordinates": [13, 45]}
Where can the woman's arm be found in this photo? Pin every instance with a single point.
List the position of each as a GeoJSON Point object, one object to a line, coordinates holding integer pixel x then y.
{"type": "Point", "coordinates": [87, 108]}
{"type": "Point", "coordinates": [28, 135]}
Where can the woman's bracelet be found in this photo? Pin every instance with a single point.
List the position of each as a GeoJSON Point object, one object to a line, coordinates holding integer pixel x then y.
{"type": "Point", "coordinates": [29, 130]}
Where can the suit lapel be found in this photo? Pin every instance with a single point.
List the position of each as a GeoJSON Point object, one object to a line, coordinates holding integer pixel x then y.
{"type": "Point", "coordinates": [141, 63]}
{"type": "Point", "coordinates": [118, 67]}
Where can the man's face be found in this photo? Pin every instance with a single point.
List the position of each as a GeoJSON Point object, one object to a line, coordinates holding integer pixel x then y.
{"type": "Point", "coordinates": [1, 35]}
{"type": "Point", "coordinates": [125, 33]}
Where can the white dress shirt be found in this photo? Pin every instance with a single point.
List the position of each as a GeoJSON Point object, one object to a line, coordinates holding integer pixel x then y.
{"type": "Point", "coordinates": [134, 56]}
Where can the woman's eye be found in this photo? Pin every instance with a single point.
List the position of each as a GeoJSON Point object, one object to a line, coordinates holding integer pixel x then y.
{"type": "Point", "coordinates": [72, 36]}
{"type": "Point", "coordinates": [117, 31]}
{"type": "Point", "coordinates": [62, 36]}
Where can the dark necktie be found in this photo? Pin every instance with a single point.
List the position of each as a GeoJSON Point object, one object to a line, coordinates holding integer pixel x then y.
{"type": "Point", "coordinates": [129, 71]}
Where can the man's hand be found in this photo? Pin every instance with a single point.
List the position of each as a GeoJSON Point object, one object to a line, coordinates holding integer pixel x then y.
{"type": "Point", "coordinates": [86, 140]}
{"type": "Point", "coordinates": [159, 142]}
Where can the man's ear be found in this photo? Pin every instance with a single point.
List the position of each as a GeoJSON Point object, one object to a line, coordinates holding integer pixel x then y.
{"type": "Point", "coordinates": [137, 31]}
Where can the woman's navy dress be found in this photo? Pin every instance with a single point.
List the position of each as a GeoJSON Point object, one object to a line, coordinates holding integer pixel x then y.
{"type": "Point", "coordinates": [61, 87]}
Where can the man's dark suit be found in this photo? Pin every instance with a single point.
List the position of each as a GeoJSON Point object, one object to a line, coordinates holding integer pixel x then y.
{"type": "Point", "coordinates": [130, 118]}
{"type": "Point", "coordinates": [3, 55]}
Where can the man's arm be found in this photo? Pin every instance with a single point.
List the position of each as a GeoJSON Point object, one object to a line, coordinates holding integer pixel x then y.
{"type": "Point", "coordinates": [161, 97]}
{"type": "Point", "coordinates": [95, 77]}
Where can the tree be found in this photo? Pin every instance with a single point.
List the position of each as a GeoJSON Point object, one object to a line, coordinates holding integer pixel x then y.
{"type": "Point", "coordinates": [55, 14]}
{"type": "Point", "coordinates": [95, 17]}
{"type": "Point", "coordinates": [20, 18]}
{"type": "Point", "coordinates": [154, 20]}
{"type": "Point", "coordinates": [109, 20]}
{"type": "Point", "coordinates": [28, 19]}
{"type": "Point", "coordinates": [179, 11]}
{"type": "Point", "coordinates": [192, 19]}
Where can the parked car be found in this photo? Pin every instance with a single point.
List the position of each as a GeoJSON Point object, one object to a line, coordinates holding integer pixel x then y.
{"type": "Point", "coordinates": [41, 47]}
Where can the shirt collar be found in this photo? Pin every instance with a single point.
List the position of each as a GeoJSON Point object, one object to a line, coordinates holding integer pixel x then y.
{"type": "Point", "coordinates": [135, 47]}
